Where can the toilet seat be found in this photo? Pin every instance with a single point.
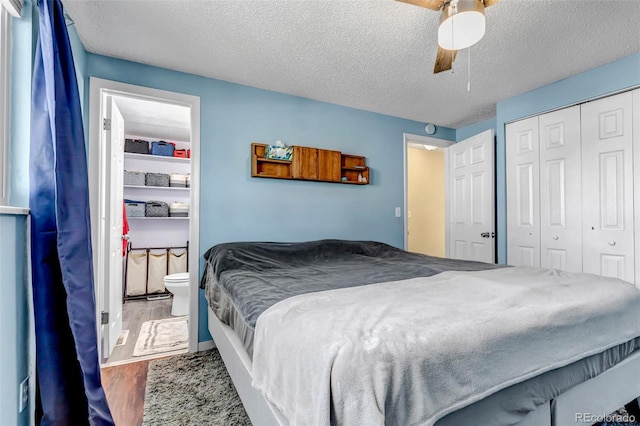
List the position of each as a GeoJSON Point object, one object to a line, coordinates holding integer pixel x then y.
{"type": "Point", "coordinates": [176, 278]}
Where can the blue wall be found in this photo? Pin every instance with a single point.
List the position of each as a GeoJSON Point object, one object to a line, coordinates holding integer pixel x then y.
{"type": "Point", "coordinates": [235, 207]}
{"type": "Point", "coordinates": [612, 77]}
{"type": "Point", "coordinates": [463, 133]}
{"type": "Point", "coordinates": [14, 318]}
{"type": "Point", "coordinates": [16, 332]}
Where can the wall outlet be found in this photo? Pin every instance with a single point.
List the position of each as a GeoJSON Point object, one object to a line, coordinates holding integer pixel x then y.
{"type": "Point", "coordinates": [24, 394]}
{"type": "Point", "coordinates": [398, 212]}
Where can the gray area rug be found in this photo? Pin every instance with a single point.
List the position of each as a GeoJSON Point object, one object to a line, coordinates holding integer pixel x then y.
{"type": "Point", "coordinates": [192, 389]}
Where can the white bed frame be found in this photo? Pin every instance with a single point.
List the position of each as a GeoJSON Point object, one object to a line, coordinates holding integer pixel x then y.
{"type": "Point", "coordinates": [599, 396]}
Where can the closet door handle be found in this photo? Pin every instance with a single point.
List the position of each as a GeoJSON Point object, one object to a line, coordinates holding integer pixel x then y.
{"type": "Point", "coordinates": [612, 243]}
{"type": "Point", "coordinates": [555, 237]}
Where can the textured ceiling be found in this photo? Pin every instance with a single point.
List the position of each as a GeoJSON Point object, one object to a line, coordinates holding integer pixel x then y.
{"type": "Point", "coordinates": [375, 55]}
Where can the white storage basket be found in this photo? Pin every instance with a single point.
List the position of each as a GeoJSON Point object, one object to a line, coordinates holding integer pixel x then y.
{"type": "Point", "coordinates": [178, 180]}
{"type": "Point", "coordinates": [177, 209]}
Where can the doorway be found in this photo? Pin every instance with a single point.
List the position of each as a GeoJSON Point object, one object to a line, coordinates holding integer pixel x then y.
{"type": "Point", "coordinates": [425, 184]}
{"type": "Point", "coordinates": [469, 197]}
{"type": "Point", "coordinates": [120, 112]}
{"type": "Point", "coordinates": [425, 199]}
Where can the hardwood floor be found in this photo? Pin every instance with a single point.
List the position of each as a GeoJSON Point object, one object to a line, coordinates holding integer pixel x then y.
{"type": "Point", "coordinates": [124, 386]}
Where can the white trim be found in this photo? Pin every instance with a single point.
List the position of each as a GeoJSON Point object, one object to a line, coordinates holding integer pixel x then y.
{"type": "Point", "coordinates": [423, 140]}
{"type": "Point", "coordinates": [205, 346]}
{"type": "Point", "coordinates": [145, 358]}
{"type": "Point", "coordinates": [239, 366]}
{"type": "Point", "coordinates": [99, 87]}
{"type": "Point", "coordinates": [14, 7]}
{"type": "Point", "coordinates": [14, 210]}
{"type": "Point", "coordinates": [635, 146]}
{"type": "Point", "coordinates": [5, 90]}
{"type": "Point", "coordinates": [447, 208]}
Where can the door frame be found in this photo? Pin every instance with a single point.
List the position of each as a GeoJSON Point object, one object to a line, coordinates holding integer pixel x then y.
{"type": "Point", "coordinates": [408, 138]}
{"type": "Point", "coordinates": [96, 162]}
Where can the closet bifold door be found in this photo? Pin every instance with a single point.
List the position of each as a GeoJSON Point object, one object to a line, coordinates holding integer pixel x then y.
{"type": "Point", "coordinates": [560, 190]}
{"type": "Point", "coordinates": [607, 187]}
{"type": "Point", "coordinates": [523, 193]}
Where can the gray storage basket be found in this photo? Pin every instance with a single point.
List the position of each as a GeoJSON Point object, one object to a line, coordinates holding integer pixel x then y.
{"type": "Point", "coordinates": [156, 209]}
{"type": "Point", "coordinates": [157, 179]}
{"type": "Point", "coordinates": [135, 209]}
{"type": "Point", "coordinates": [134, 178]}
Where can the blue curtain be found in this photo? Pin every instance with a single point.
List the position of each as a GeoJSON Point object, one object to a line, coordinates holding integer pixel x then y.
{"type": "Point", "coordinates": [68, 370]}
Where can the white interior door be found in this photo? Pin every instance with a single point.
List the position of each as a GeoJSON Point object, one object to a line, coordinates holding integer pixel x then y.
{"type": "Point", "coordinates": [471, 198]}
{"type": "Point", "coordinates": [607, 187]}
{"type": "Point", "coordinates": [114, 140]}
{"type": "Point", "coordinates": [523, 193]}
{"type": "Point", "coordinates": [560, 190]}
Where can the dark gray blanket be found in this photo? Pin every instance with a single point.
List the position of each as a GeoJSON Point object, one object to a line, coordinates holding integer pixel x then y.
{"type": "Point", "coordinates": [255, 276]}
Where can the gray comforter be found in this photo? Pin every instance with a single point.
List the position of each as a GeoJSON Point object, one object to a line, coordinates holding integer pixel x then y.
{"type": "Point", "coordinates": [244, 279]}
{"type": "Point", "coordinates": [410, 352]}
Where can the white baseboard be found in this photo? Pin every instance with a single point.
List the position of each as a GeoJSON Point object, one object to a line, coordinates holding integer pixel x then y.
{"type": "Point", "coordinates": [204, 346]}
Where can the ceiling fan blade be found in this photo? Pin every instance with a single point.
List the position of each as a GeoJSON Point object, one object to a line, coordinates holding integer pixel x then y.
{"type": "Point", "coordinates": [488, 3]}
{"type": "Point", "coordinates": [428, 4]}
{"type": "Point", "coordinates": [444, 60]}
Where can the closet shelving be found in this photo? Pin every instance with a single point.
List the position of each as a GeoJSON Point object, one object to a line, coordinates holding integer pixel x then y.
{"type": "Point", "coordinates": [159, 158]}
{"type": "Point", "coordinates": [159, 188]}
{"type": "Point", "coordinates": [158, 231]}
{"type": "Point", "coordinates": [158, 218]}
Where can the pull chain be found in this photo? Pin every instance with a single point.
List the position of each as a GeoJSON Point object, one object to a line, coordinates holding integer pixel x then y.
{"type": "Point", "coordinates": [469, 69]}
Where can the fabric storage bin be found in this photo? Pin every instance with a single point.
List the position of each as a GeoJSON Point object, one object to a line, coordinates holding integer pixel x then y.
{"type": "Point", "coordinates": [157, 179]}
{"type": "Point", "coordinates": [180, 153]}
{"type": "Point", "coordinates": [156, 209]}
{"type": "Point", "coordinates": [134, 178]}
{"type": "Point", "coordinates": [135, 208]}
{"type": "Point", "coordinates": [178, 180]}
{"type": "Point", "coordinates": [162, 148]}
{"type": "Point", "coordinates": [188, 153]}
{"type": "Point", "coordinates": [188, 181]}
{"type": "Point", "coordinates": [136, 146]}
{"type": "Point", "coordinates": [177, 209]}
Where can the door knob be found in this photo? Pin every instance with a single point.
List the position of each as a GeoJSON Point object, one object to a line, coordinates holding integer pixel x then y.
{"type": "Point", "coordinates": [612, 243]}
{"type": "Point", "coordinates": [555, 237]}
{"type": "Point", "coordinates": [484, 235]}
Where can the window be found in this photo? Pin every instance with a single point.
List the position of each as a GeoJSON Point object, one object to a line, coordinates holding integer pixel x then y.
{"type": "Point", "coordinates": [8, 8]}
{"type": "Point", "coordinates": [5, 55]}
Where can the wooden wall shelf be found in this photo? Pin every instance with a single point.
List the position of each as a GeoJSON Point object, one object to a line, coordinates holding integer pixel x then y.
{"type": "Point", "coordinates": [314, 164]}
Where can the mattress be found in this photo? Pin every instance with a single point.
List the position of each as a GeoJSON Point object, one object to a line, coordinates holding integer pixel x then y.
{"type": "Point", "coordinates": [242, 280]}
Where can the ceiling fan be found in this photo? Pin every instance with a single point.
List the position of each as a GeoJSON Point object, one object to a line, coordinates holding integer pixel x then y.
{"type": "Point", "coordinates": [462, 25]}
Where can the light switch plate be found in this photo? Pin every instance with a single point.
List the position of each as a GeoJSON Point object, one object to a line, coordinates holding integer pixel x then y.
{"type": "Point", "coordinates": [398, 212]}
{"type": "Point", "coordinates": [24, 394]}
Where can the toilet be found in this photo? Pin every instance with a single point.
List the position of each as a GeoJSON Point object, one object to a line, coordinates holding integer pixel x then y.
{"type": "Point", "coordinates": [178, 285]}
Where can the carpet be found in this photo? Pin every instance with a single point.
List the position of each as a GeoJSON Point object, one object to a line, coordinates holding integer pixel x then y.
{"type": "Point", "coordinates": [195, 389]}
{"type": "Point", "coordinates": [192, 389]}
{"type": "Point", "coordinates": [165, 335]}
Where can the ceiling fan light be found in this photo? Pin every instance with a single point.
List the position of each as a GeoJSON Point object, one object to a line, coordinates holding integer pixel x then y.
{"type": "Point", "coordinates": [462, 24]}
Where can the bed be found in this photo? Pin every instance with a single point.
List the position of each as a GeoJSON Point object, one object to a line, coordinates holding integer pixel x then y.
{"type": "Point", "coordinates": [260, 294]}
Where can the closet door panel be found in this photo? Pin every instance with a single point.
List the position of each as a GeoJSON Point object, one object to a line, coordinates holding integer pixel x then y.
{"type": "Point", "coordinates": [523, 193]}
{"type": "Point", "coordinates": [607, 145]}
{"type": "Point", "coordinates": [560, 190]}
